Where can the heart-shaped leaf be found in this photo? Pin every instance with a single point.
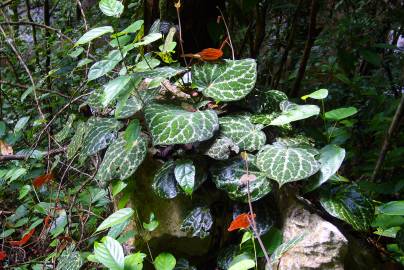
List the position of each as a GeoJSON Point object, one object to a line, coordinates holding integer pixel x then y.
{"type": "Point", "coordinates": [172, 125]}
{"type": "Point", "coordinates": [319, 94]}
{"type": "Point", "coordinates": [164, 261]}
{"type": "Point", "coordinates": [226, 80]}
{"type": "Point", "coordinates": [242, 132]}
{"type": "Point", "coordinates": [285, 164]}
{"type": "Point", "coordinates": [350, 205]}
{"type": "Point", "coordinates": [101, 132]}
{"type": "Point", "coordinates": [185, 175]}
{"type": "Point", "coordinates": [121, 160]}
{"type": "Point", "coordinates": [110, 253]}
{"type": "Point", "coordinates": [221, 148]}
{"type": "Point", "coordinates": [164, 183]}
{"type": "Point", "coordinates": [112, 8]}
{"type": "Point", "coordinates": [227, 176]}
{"type": "Point", "coordinates": [198, 222]}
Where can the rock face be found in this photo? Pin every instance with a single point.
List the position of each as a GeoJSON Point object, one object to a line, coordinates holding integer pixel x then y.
{"type": "Point", "coordinates": [324, 247]}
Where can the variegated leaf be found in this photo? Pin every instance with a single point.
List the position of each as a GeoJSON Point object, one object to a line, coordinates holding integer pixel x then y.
{"type": "Point", "coordinates": [61, 135]}
{"type": "Point", "coordinates": [101, 132]}
{"type": "Point", "coordinates": [164, 183]}
{"type": "Point", "coordinates": [198, 222]}
{"type": "Point", "coordinates": [226, 80]}
{"type": "Point", "coordinates": [221, 148]}
{"type": "Point", "coordinates": [350, 205]}
{"type": "Point", "coordinates": [121, 161]}
{"type": "Point", "coordinates": [285, 247]}
{"type": "Point", "coordinates": [69, 259]}
{"type": "Point", "coordinates": [272, 99]}
{"type": "Point", "coordinates": [264, 119]}
{"type": "Point", "coordinates": [287, 163]}
{"type": "Point", "coordinates": [292, 112]}
{"type": "Point", "coordinates": [127, 107]}
{"type": "Point", "coordinates": [227, 176]}
{"type": "Point", "coordinates": [242, 132]}
{"type": "Point", "coordinates": [172, 125]}
{"type": "Point", "coordinates": [163, 72]}
{"type": "Point", "coordinates": [77, 140]}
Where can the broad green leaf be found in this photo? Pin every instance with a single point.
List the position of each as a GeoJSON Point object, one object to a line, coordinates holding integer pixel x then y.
{"type": "Point", "coordinates": [77, 140]}
{"type": "Point", "coordinates": [394, 208]}
{"type": "Point", "coordinates": [84, 61]}
{"type": "Point", "coordinates": [120, 160]}
{"type": "Point", "coordinates": [163, 72]}
{"type": "Point", "coordinates": [116, 218]}
{"type": "Point", "coordinates": [152, 224]}
{"type": "Point", "coordinates": [164, 183]}
{"type": "Point", "coordinates": [285, 247]}
{"type": "Point", "coordinates": [185, 175]}
{"type": "Point", "coordinates": [127, 106]}
{"type": "Point", "coordinates": [76, 52]}
{"type": "Point", "coordinates": [101, 132]}
{"type": "Point", "coordinates": [164, 261]}
{"type": "Point", "coordinates": [24, 191]}
{"type": "Point", "coordinates": [198, 222]}
{"type": "Point", "coordinates": [21, 123]}
{"type": "Point", "coordinates": [221, 148]}
{"type": "Point", "coordinates": [270, 100]}
{"type": "Point", "coordinates": [347, 203]}
{"type": "Point", "coordinates": [134, 261]}
{"type": "Point", "coordinates": [150, 38]}
{"type": "Point", "coordinates": [6, 233]}
{"type": "Point", "coordinates": [340, 113]}
{"type": "Point", "coordinates": [69, 259]}
{"type": "Point", "coordinates": [117, 187]}
{"type": "Point", "coordinates": [242, 262]}
{"type": "Point", "coordinates": [227, 174]}
{"type": "Point", "coordinates": [110, 253]}
{"type": "Point", "coordinates": [385, 221]}
{"type": "Point", "coordinates": [242, 132]}
{"type": "Point", "coordinates": [169, 124]}
{"type": "Point", "coordinates": [93, 34]}
{"type": "Point", "coordinates": [292, 112]}
{"type": "Point", "coordinates": [104, 66]}
{"type": "Point", "coordinates": [119, 42]}
{"type": "Point", "coordinates": [115, 231]}
{"type": "Point", "coordinates": [118, 86]}
{"type": "Point", "coordinates": [133, 28]}
{"type": "Point", "coordinates": [264, 119]}
{"type": "Point", "coordinates": [285, 164]}
{"type": "Point", "coordinates": [132, 132]}
{"type": "Point", "coordinates": [226, 80]}
{"type": "Point", "coordinates": [2, 128]}
{"type": "Point", "coordinates": [61, 135]}
{"type": "Point", "coordinates": [331, 158]}
{"type": "Point", "coordinates": [112, 8]}
{"type": "Point", "coordinates": [319, 94]}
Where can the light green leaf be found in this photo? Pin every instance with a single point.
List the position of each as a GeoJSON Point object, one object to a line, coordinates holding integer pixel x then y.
{"type": "Point", "coordinates": [285, 247]}
{"type": "Point", "coordinates": [118, 86]}
{"type": "Point", "coordinates": [133, 28]}
{"type": "Point", "coordinates": [164, 261]}
{"type": "Point", "coordinates": [292, 112]}
{"type": "Point", "coordinates": [394, 208]}
{"type": "Point", "coordinates": [110, 253]}
{"type": "Point", "coordinates": [150, 38]}
{"type": "Point", "coordinates": [112, 8]}
{"type": "Point", "coordinates": [21, 123]}
{"type": "Point", "coordinates": [152, 224]}
{"type": "Point", "coordinates": [226, 80]}
{"type": "Point", "coordinates": [121, 161]}
{"type": "Point", "coordinates": [116, 218]}
{"type": "Point", "coordinates": [69, 259]}
{"type": "Point", "coordinates": [76, 52]}
{"type": "Point", "coordinates": [198, 222]}
{"type": "Point", "coordinates": [117, 187]}
{"type": "Point", "coordinates": [24, 191]}
{"type": "Point", "coordinates": [242, 262]}
{"type": "Point", "coordinates": [132, 132]}
{"type": "Point", "coordinates": [94, 33]}
{"type": "Point", "coordinates": [61, 135]}
{"type": "Point", "coordinates": [104, 66]}
{"type": "Point", "coordinates": [120, 41]}
{"type": "Point", "coordinates": [134, 261]}
{"type": "Point", "coordinates": [246, 236]}
{"type": "Point", "coordinates": [172, 125]}
{"type": "Point", "coordinates": [77, 140]}
{"type": "Point", "coordinates": [127, 106]}
{"type": "Point", "coordinates": [346, 202]}
{"type": "Point", "coordinates": [83, 62]}
{"type": "Point", "coordinates": [227, 174]}
{"type": "Point", "coordinates": [185, 175]}
{"type": "Point", "coordinates": [6, 233]}
{"type": "Point", "coordinates": [287, 163]}
{"type": "Point", "coordinates": [340, 113]}
{"type": "Point", "coordinates": [101, 132]}
{"type": "Point", "coordinates": [242, 132]}
{"type": "Point", "coordinates": [221, 148]}
{"type": "Point", "coordinates": [319, 94]}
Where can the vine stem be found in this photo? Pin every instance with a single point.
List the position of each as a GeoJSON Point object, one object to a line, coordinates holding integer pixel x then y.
{"type": "Point", "coordinates": [252, 221]}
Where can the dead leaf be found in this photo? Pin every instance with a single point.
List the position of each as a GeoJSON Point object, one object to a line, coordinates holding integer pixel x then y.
{"type": "Point", "coordinates": [5, 149]}
{"type": "Point", "coordinates": [24, 239]}
{"type": "Point", "coordinates": [43, 179]}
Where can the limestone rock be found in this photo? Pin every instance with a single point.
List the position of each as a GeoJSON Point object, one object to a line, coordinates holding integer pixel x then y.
{"type": "Point", "coordinates": [324, 247]}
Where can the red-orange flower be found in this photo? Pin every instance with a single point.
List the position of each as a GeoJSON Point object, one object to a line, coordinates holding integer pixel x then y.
{"type": "Point", "coordinates": [242, 221]}
{"type": "Point", "coordinates": [43, 179]}
{"type": "Point", "coordinates": [24, 239]}
{"type": "Point", "coordinates": [209, 54]}
{"type": "Point", "coordinates": [3, 255]}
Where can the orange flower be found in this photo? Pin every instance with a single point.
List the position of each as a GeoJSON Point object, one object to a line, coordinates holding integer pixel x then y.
{"type": "Point", "coordinates": [210, 54]}
{"type": "Point", "coordinates": [3, 255]}
{"type": "Point", "coordinates": [24, 239]}
{"type": "Point", "coordinates": [242, 221]}
{"type": "Point", "coordinates": [43, 179]}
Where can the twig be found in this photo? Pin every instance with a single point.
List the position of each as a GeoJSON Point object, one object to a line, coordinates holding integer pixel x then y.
{"type": "Point", "coordinates": [228, 33]}
{"type": "Point", "coordinates": [387, 138]}
{"type": "Point", "coordinates": [21, 157]}
{"type": "Point", "coordinates": [26, 69]}
{"type": "Point", "coordinates": [177, 7]}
